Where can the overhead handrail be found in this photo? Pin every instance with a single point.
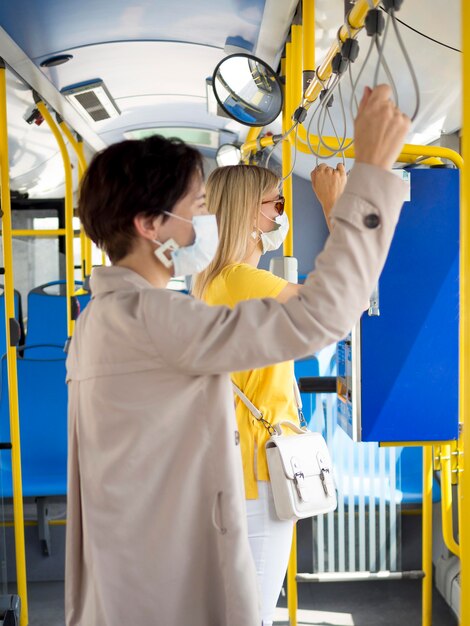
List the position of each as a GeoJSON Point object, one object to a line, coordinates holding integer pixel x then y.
{"type": "Point", "coordinates": [18, 516]}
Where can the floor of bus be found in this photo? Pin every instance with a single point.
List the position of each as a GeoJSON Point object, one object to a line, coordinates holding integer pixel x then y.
{"type": "Point", "coordinates": [323, 604]}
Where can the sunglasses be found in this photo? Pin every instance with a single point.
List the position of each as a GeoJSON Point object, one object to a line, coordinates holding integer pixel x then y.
{"type": "Point", "coordinates": [278, 204]}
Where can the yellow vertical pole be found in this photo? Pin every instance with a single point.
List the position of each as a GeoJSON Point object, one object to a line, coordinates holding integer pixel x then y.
{"type": "Point", "coordinates": [69, 264]}
{"type": "Point", "coordinates": [426, 607]}
{"type": "Point", "coordinates": [77, 146]}
{"type": "Point", "coordinates": [288, 248]}
{"type": "Point", "coordinates": [308, 40]}
{"type": "Point", "coordinates": [296, 68]}
{"type": "Point", "coordinates": [464, 375]}
{"type": "Point", "coordinates": [446, 500]}
{"type": "Point", "coordinates": [292, 597]}
{"type": "Point", "coordinates": [11, 353]}
{"type": "Point", "coordinates": [88, 254]}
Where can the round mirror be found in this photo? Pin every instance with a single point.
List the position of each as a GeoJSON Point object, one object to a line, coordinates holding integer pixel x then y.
{"type": "Point", "coordinates": [247, 89]}
{"type": "Point", "coordinates": [228, 154]}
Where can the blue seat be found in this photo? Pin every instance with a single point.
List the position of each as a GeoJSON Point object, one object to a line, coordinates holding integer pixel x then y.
{"type": "Point", "coordinates": [43, 424]}
{"type": "Point", "coordinates": [47, 317]}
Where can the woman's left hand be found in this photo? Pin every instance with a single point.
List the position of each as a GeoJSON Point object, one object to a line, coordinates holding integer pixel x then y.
{"type": "Point", "coordinates": [328, 184]}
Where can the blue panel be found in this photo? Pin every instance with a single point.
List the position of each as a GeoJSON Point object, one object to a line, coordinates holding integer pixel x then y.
{"type": "Point", "coordinates": [410, 353]}
{"type": "Point", "coordinates": [47, 318]}
{"type": "Point", "coordinates": [303, 369]}
{"type": "Point", "coordinates": [51, 26]}
{"type": "Point", "coordinates": [43, 426]}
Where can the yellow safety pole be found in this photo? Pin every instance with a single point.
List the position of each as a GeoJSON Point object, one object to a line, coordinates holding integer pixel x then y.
{"type": "Point", "coordinates": [252, 138]}
{"type": "Point", "coordinates": [11, 353]}
{"type": "Point", "coordinates": [357, 17]}
{"type": "Point", "coordinates": [288, 246]}
{"type": "Point", "coordinates": [426, 608]}
{"type": "Point", "coordinates": [464, 407]}
{"type": "Point", "coordinates": [410, 152]}
{"type": "Point", "coordinates": [85, 242]}
{"type": "Point", "coordinates": [296, 71]}
{"type": "Point", "coordinates": [31, 232]}
{"type": "Point", "coordinates": [69, 264]}
{"type": "Point", "coordinates": [77, 146]}
{"type": "Point", "coordinates": [308, 38]}
{"type": "Point", "coordinates": [292, 597]}
{"type": "Point", "coordinates": [288, 250]}
{"type": "Point", "coordinates": [446, 501]}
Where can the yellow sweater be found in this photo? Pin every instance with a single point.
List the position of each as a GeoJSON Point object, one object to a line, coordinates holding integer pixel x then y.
{"type": "Point", "coordinates": [270, 389]}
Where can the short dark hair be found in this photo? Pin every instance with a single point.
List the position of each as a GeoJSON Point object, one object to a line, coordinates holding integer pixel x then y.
{"type": "Point", "coordinates": [145, 176]}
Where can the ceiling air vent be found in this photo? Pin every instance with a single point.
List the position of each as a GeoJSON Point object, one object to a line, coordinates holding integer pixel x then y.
{"type": "Point", "coordinates": [92, 100]}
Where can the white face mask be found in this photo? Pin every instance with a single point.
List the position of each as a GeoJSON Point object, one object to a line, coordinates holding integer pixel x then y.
{"type": "Point", "coordinates": [192, 259]}
{"type": "Point", "coordinates": [274, 239]}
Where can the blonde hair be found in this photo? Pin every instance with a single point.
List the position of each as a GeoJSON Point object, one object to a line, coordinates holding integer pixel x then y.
{"type": "Point", "coordinates": [234, 194]}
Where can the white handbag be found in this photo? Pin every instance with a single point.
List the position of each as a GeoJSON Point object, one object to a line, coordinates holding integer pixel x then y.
{"type": "Point", "coordinates": [299, 465]}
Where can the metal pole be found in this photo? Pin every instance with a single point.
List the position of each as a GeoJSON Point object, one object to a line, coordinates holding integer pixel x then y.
{"type": "Point", "coordinates": [426, 610]}
{"type": "Point", "coordinates": [69, 264]}
{"type": "Point", "coordinates": [292, 596]}
{"type": "Point", "coordinates": [464, 408]}
{"type": "Point", "coordinates": [11, 353]}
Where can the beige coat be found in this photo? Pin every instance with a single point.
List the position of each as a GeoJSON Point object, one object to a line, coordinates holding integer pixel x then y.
{"type": "Point", "coordinates": [156, 530]}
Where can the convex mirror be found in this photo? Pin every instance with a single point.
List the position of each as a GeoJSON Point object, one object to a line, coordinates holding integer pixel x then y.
{"type": "Point", "coordinates": [228, 154]}
{"type": "Point", "coordinates": [247, 89]}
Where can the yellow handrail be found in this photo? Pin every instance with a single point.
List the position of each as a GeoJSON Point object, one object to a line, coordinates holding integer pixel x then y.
{"type": "Point", "coordinates": [308, 43]}
{"type": "Point", "coordinates": [69, 264]}
{"type": "Point", "coordinates": [292, 597]}
{"type": "Point", "coordinates": [31, 232]}
{"type": "Point", "coordinates": [427, 537]}
{"type": "Point", "coordinates": [357, 18]}
{"type": "Point", "coordinates": [464, 406]}
{"type": "Point", "coordinates": [446, 501]}
{"type": "Point", "coordinates": [85, 242]}
{"type": "Point", "coordinates": [288, 246]}
{"type": "Point", "coordinates": [11, 353]}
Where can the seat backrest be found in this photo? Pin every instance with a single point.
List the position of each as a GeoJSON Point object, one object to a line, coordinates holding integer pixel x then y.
{"type": "Point", "coordinates": [18, 316]}
{"type": "Point", "coordinates": [43, 425]}
{"type": "Point", "coordinates": [47, 317]}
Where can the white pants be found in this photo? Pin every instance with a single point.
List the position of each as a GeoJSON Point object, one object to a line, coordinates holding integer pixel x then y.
{"type": "Point", "coordinates": [270, 541]}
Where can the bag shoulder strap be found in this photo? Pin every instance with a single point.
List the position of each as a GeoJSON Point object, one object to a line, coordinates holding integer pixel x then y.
{"type": "Point", "coordinates": [256, 412]}
{"type": "Point", "coordinates": [249, 405]}
{"type": "Point", "coordinates": [259, 416]}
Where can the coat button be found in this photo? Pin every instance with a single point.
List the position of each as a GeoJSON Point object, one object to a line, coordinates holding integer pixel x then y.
{"type": "Point", "coordinates": [372, 220]}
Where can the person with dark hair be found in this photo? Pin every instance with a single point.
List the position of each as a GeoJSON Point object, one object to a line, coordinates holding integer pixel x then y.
{"type": "Point", "coordinates": [156, 525]}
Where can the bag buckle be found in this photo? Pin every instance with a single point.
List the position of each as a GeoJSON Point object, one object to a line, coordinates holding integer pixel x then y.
{"type": "Point", "coordinates": [299, 477]}
{"type": "Point", "coordinates": [323, 471]}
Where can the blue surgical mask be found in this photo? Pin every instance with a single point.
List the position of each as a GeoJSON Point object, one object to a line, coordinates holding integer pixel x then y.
{"type": "Point", "coordinates": [274, 239]}
{"type": "Point", "coordinates": [192, 259]}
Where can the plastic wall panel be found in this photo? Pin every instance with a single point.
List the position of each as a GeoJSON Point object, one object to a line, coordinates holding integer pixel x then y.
{"type": "Point", "coordinates": [409, 354]}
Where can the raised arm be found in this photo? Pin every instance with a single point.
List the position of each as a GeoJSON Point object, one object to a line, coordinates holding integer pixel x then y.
{"type": "Point", "coordinates": [211, 340]}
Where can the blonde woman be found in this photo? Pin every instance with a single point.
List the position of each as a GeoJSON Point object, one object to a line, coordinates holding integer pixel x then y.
{"type": "Point", "coordinates": [251, 221]}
